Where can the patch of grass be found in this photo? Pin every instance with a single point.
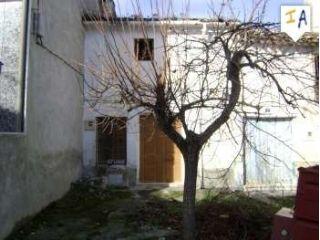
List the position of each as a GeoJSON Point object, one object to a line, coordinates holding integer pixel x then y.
{"type": "Point", "coordinates": [88, 211]}
{"type": "Point", "coordinates": [234, 216]}
{"type": "Point", "coordinates": [220, 216]}
{"type": "Point", "coordinates": [208, 196]}
{"type": "Point", "coordinates": [162, 213]}
{"type": "Point", "coordinates": [287, 201]}
{"type": "Point", "coordinates": [167, 194]}
{"type": "Point", "coordinates": [85, 207]}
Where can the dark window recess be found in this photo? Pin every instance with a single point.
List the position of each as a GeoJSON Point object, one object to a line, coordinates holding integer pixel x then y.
{"type": "Point", "coordinates": [143, 49]}
{"type": "Point", "coordinates": [1, 64]}
{"type": "Point", "coordinates": [112, 142]}
{"type": "Point", "coordinates": [316, 62]}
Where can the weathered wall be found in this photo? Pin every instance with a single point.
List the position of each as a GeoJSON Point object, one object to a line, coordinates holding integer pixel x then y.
{"type": "Point", "coordinates": [37, 167]}
{"type": "Point", "coordinates": [94, 56]}
{"type": "Point", "coordinates": [222, 154]}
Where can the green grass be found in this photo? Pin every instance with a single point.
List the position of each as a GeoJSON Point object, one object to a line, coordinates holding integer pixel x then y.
{"type": "Point", "coordinates": [88, 211]}
{"type": "Point", "coordinates": [83, 210]}
{"type": "Point", "coordinates": [227, 215]}
{"type": "Point", "coordinates": [287, 201]}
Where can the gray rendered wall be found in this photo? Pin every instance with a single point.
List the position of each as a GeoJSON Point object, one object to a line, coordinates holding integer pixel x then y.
{"type": "Point", "coordinates": [37, 167]}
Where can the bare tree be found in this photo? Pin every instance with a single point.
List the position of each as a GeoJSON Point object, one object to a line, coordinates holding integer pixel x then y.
{"type": "Point", "coordinates": [198, 79]}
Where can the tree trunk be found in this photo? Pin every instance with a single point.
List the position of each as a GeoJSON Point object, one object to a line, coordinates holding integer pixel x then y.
{"type": "Point", "coordinates": [189, 196]}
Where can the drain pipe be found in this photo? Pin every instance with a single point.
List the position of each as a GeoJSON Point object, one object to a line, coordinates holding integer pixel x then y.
{"type": "Point", "coordinates": [204, 33]}
{"type": "Point", "coordinates": [202, 173]}
{"type": "Point", "coordinates": [202, 164]}
{"type": "Point", "coordinates": [36, 23]}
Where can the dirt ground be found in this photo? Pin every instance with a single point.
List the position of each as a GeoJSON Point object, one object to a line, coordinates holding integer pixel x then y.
{"type": "Point", "coordinates": [90, 211]}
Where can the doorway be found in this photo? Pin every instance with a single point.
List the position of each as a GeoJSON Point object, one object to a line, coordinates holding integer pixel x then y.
{"type": "Point", "coordinates": [160, 158]}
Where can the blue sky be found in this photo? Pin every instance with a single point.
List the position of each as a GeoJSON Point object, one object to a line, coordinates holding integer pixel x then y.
{"type": "Point", "coordinates": [200, 8]}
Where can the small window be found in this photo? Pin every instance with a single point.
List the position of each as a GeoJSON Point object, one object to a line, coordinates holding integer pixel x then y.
{"type": "Point", "coordinates": [143, 49]}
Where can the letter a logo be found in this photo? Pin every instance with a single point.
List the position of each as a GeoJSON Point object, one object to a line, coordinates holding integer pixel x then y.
{"type": "Point", "coordinates": [295, 20]}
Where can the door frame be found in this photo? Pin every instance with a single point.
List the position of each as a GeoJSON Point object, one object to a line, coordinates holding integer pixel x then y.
{"type": "Point", "coordinates": [245, 148]}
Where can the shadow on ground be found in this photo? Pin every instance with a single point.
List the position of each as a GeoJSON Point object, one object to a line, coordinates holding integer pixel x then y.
{"type": "Point", "coordinates": [91, 212]}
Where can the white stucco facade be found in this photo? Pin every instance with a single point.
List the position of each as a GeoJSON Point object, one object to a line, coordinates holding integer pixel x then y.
{"type": "Point", "coordinates": [223, 153]}
{"type": "Point", "coordinates": [315, 6]}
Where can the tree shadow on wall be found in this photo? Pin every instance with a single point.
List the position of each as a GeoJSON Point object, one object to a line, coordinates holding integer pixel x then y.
{"type": "Point", "coordinates": [8, 120]}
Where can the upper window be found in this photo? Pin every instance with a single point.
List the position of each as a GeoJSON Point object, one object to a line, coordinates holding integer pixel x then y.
{"type": "Point", "coordinates": [143, 49]}
{"type": "Point", "coordinates": [12, 64]}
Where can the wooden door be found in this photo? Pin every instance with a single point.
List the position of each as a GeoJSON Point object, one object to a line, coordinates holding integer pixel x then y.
{"type": "Point", "coordinates": [269, 159]}
{"type": "Point", "coordinates": [160, 159]}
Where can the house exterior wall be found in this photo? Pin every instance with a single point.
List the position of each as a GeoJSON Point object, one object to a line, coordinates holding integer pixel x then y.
{"type": "Point", "coordinates": [315, 20]}
{"type": "Point", "coordinates": [223, 153]}
{"type": "Point", "coordinates": [94, 52]}
{"type": "Point", "coordinates": [38, 165]}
